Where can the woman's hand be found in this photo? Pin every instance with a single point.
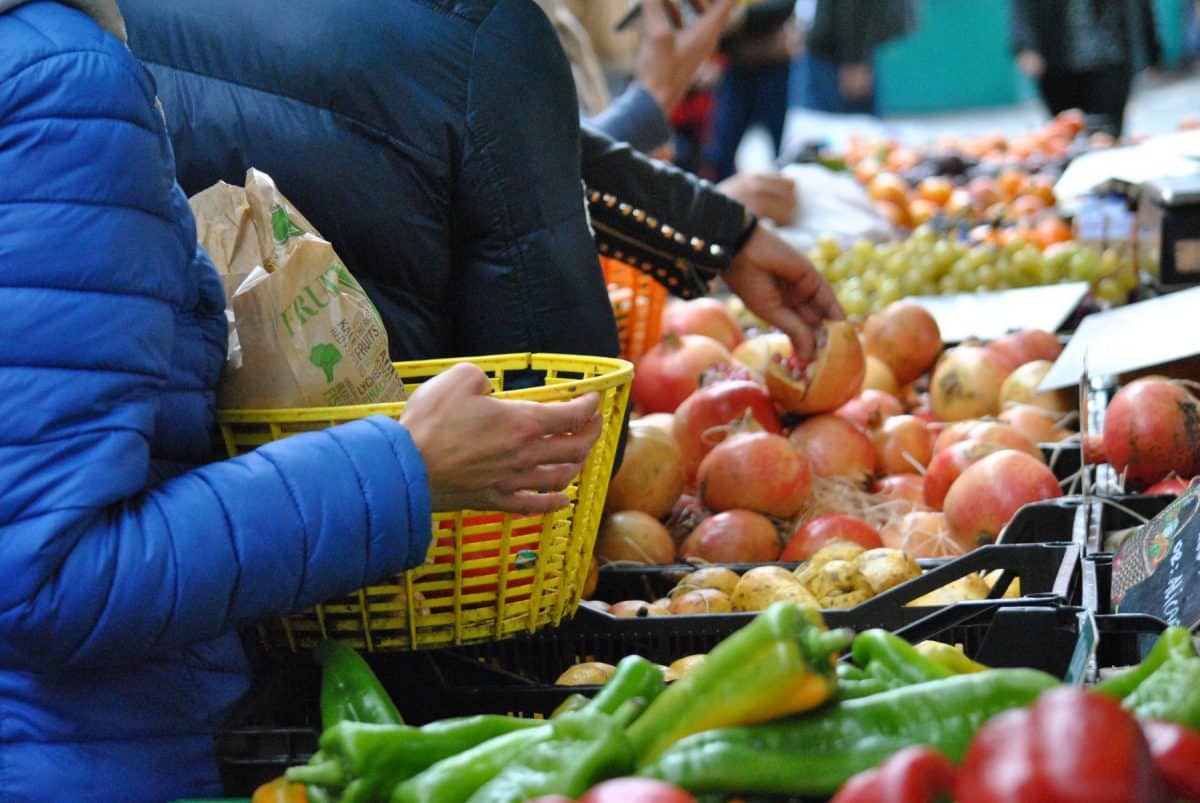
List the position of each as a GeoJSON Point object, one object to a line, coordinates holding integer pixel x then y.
{"type": "Point", "coordinates": [669, 58]}
{"type": "Point", "coordinates": [484, 453]}
{"type": "Point", "coordinates": [768, 195]}
{"type": "Point", "coordinates": [780, 285]}
{"type": "Point", "coordinates": [1031, 63]}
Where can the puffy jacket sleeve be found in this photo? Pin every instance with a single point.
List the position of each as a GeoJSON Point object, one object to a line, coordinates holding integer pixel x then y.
{"type": "Point", "coordinates": [99, 264]}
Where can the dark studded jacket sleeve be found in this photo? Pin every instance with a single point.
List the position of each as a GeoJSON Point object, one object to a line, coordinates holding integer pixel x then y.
{"type": "Point", "coordinates": [664, 221]}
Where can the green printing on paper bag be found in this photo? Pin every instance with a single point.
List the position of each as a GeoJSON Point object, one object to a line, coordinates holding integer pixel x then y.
{"type": "Point", "coordinates": [282, 226]}
{"type": "Point", "coordinates": [325, 356]}
{"type": "Point", "coordinates": [315, 296]}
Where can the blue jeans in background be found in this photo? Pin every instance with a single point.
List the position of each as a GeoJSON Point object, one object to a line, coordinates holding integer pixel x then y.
{"type": "Point", "coordinates": [820, 92]}
{"type": "Point", "coordinates": [747, 94]}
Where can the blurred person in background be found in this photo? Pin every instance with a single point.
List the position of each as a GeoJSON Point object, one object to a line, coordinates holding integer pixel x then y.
{"type": "Point", "coordinates": [757, 53]}
{"type": "Point", "coordinates": [663, 91]}
{"type": "Point", "coordinates": [839, 51]}
{"type": "Point", "coordinates": [1084, 54]}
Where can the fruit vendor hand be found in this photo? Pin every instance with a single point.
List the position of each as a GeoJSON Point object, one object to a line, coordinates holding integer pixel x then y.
{"type": "Point", "coordinates": [768, 195]}
{"type": "Point", "coordinates": [779, 285]}
{"type": "Point", "coordinates": [1031, 63]}
{"type": "Point", "coordinates": [484, 453]}
{"type": "Point", "coordinates": [669, 58]}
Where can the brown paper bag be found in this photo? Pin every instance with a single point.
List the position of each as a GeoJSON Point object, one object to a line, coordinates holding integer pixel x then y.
{"type": "Point", "coordinates": [303, 332]}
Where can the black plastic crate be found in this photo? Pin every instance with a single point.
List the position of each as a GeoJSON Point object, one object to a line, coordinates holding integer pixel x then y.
{"type": "Point", "coordinates": [1110, 513]}
{"type": "Point", "coordinates": [1065, 459]}
{"type": "Point", "coordinates": [1062, 520]}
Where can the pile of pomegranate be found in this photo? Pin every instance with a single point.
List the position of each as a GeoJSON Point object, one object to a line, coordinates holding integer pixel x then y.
{"type": "Point", "coordinates": [740, 452]}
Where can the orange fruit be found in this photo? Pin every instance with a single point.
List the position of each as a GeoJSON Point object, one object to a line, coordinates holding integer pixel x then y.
{"type": "Point", "coordinates": [921, 210]}
{"type": "Point", "coordinates": [887, 186]}
{"type": "Point", "coordinates": [935, 189]}
{"type": "Point", "coordinates": [1051, 230]}
{"type": "Point", "coordinates": [1011, 183]}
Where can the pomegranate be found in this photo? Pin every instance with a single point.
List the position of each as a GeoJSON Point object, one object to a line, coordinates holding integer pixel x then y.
{"type": "Point", "coordinates": [757, 471]}
{"type": "Point", "coordinates": [757, 352]}
{"type": "Point", "coordinates": [1021, 388]}
{"type": "Point", "coordinates": [664, 421]}
{"type": "Point", "coordinates": [702, 316]}
{"type": "Point", "coordinates": [592, 580]}
{"type": "Point", "coordinates": [1171, 485]}
{"type": "Point", "coordinates": [989, 431]}
{"type": "Point", "coordinates": [1093, 449]}
{"type": "Point", "coordinates": [923, 535]}
{"type": "Point", "coordinates": [879, 377]}
{"type": "Point", "coordinates": [1152, 428]}
{"type": "Point", "coordinates": [701, 421]}
{"type": "Point", "coordinates": [908, 487]}
{"type": "Point", "coordinates": [949, 463]}
{"type": "Point", "coordinates": [1017, 348]}
{"type": "Point", "coordinates": [906, 337]}
{"type": "Point", "coordinates": [734, 536]}
{"type": "Point", "coordinates": [812, 535]}
{"type": "Point", "coordinates": [870, 408]}
{"type": "Point", "coordinates": [835, 448]}
{"type": "Point", "coordinates": [966, 384]}
{"type": "Point", "coordinates": [903, 445]}
{"type": "Point", "coordinates": [1035, 423]}
{"type": "Point", "coordinates": [651, 475]}
{"type": "Point", "coordinates": [833, 378]}
{"type": "Point", "coordinates": [685, 516]}
{"type": "Point", "coordinates": [989, 493]}
{"type": "Point", "coordinates": [670, 372]}
{"type": "Point", "coordinates": [634, 536]}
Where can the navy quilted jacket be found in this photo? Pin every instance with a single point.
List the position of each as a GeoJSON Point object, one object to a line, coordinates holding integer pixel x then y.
{"type": "Point", "coordinates": [434, 142]}
{"type": "Point", "coordinates": [125, 566]}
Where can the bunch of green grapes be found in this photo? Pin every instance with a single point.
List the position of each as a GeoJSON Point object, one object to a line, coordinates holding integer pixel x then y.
{"type": "Point", "coordinates": [868, 276]}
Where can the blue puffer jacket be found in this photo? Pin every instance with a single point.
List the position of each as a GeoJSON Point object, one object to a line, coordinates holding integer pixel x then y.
{"type": "Point", "coordinates": [125, 569]}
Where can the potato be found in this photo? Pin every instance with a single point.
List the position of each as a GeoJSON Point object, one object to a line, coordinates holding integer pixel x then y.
{"type": "Point", "coordinates": [1014, 588]}
{"type": "Point", "coordinates": [838, 584]}
{"type": "Point", "coordinates": [885, 568]}
{"type": "Point", "coordinates": [630, 608]}
{"type": "Point", "coordinates": [762, 585]}
{"type": "Point", "coordinates": [716, 577]}
{"type": "Point", "coordinates": [838, 550]}
{"type": "Point", "coordinates": [588, 673]}
{"type": "Point", "coordinates": [970, 587]}
{"type": "Point", "coordinates": [701, 600]}
{"type": "Point", "coordinates": [682, 666]}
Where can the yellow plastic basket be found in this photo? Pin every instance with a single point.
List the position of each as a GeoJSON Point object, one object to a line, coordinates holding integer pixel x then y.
{"type": "Point", "coordinates": [464, 592]}
{"type": "Point", "coordinates": [637, 302]}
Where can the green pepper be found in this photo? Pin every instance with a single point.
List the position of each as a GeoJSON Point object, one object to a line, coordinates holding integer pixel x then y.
{"type": "Point", "coordinates": [781, 663]}
{"type": "Point", "coordinates": [585, 747]}
{"type": "Point", "coordinates": [1174, 641]}
{"type": "Point", "coordinates": [814, 754]}
{"type": "Point", "coordinates": [635, 682]}
{"type": "Point", "coordinates": [365, 760]}
{"type": "Point", "coordinates": [892, 659]}
{"type": "Point", "coordinates": [350, 690]}
{"type": "Point", "coordinates": [634, 678]}
{"type": "Point", "coordinates": [853, 682]}
{"type": "Point", "coordinates": [1171, 692]}
{"type": "Point", "coordinates": [456, 778]}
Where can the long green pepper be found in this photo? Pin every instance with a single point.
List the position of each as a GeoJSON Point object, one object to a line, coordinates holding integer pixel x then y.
{"type": "Point", "coordinates": [350, 691]}
{"type": "Point", "coordinates": [815, 753]}
{"type": "Point", "coordinates": [456, 778]}
{"type": "Point", "coordinates": [585, 748]}
{"type": "Point", "coordinates": [1164, 686]}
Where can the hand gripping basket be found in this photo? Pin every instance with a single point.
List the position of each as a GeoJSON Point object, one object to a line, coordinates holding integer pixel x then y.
{"type": "Point", "coordinates": [465, 592]}
{"type": "Point", "coordinates": [637, 302]}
